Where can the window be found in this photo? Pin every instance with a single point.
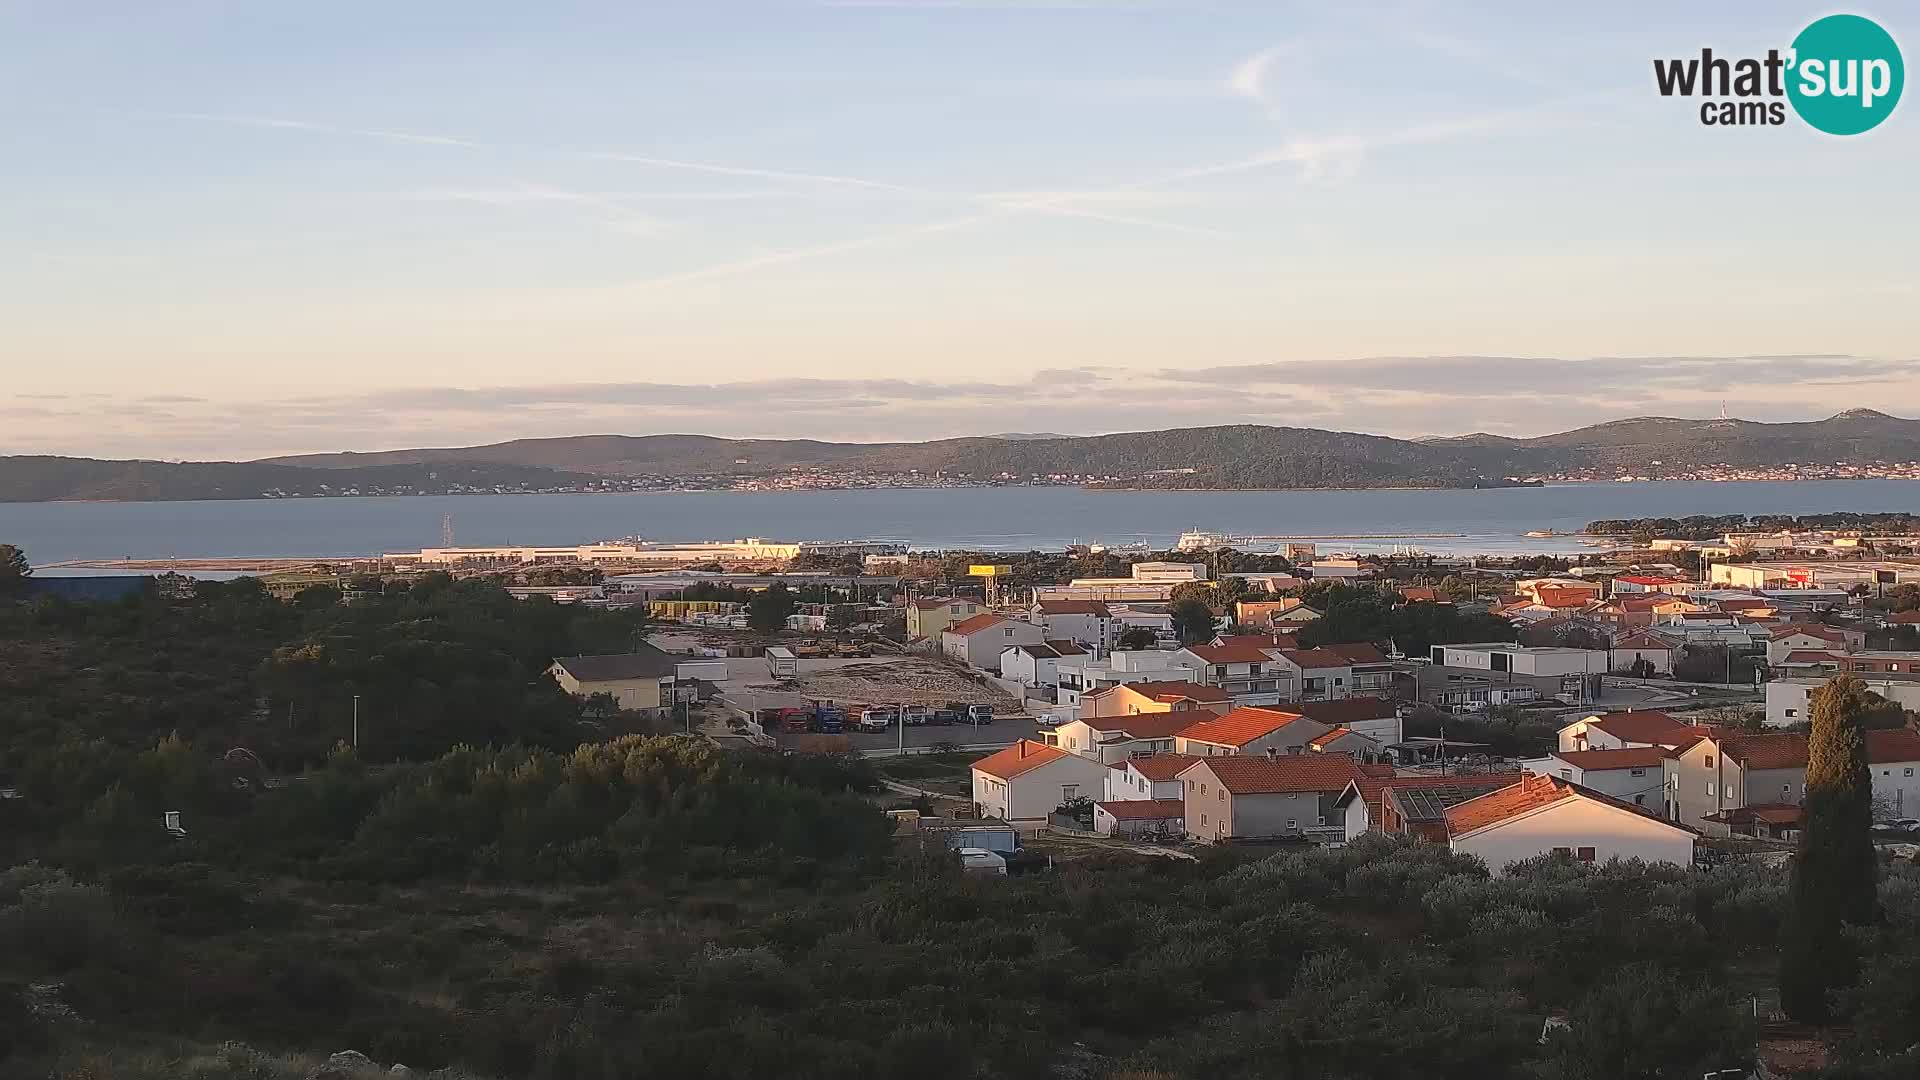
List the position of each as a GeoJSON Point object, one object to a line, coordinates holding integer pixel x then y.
{"type": "Point", "coordinates": [1292, 824]}
{"type": "Point", "coordinates": [1639, 800]}
{"type": "Point", "coordinates": [1786, 790]}
{"type": "Point", "coordinates": [1223, 795]}
{"type": "Point", "coordinates": [1586, 854]}
{"type": "Point", "coordinates": [1636, 772]}
{"type": "Point", "coordinates": [1323, 819]}
{"type": "Point", "coordinates": [1793, 712]}
{"type": "Point", "coordinates": [1068, 792]}
{"type": "Point", "coordinates": [1709, 787]}
{"type": "Point", "coordinates": [1908, 771]}
{"type": "Point", "coordinates": [1709, 761]}
{"type": "Point", "coordinates": [1566, 774]}
{"type": "Point", "coordinates": [1203, 788]}
{"type": "Point", "coordinates": [1203, 819]}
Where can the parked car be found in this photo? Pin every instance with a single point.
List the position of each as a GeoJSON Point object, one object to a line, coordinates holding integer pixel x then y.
{"type": "Point", "coordinates": [916, 715]}
{"type": "Point", "coordinates": [1905, 824]}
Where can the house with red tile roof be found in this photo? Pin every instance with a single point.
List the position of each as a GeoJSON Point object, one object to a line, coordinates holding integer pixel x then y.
{"type": "Point", "coordinates": [1258, 797]}
{"type": "Point", "coordinates": [1410, 805]}
{"type": "Point", "coordinates": [1155, 777]}
{"type": "Point", "coordinates": [1161, 695]}
{"type": "Point", "coordinates": [1729, 771]}
{"type": "Point", "coordinates": [1422, 594]}
{"type": "Point", "coordinates": [1089, 622]}
{"type": "Point", "coordinates": [979, 641]}
{"type": "Point", "coordinates": [1138, 818]}
{"type": "Point", "coordinates": [1028, 780]}
{"type": "Point", "coordinates": [1615, 730]}
{"type": "Point", "coordinates": [1254, 673]}
{"type": "Point", "coordinates": [1266, 641]}
{"type": "Point", "coordinates": [929, 617]}
{"type": "Point", "coordinates": [1543, 815]}
{"type": "Point", "coordinates": [1634, 774]}
{"type": "Point", "coordinates": [1114, 739]}
{"type": "Point", "coordinates": [1249, 731]}
{"type": "Point", "coordinates": [1631, 647]}
{"type": "Point", "coordinates": [1782, 640]}
{"type": "Point", "coordinates": [1375, 717]}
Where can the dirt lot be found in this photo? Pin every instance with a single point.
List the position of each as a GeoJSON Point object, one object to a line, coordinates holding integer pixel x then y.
{"type": "Point", "coordinates": [880, 680]}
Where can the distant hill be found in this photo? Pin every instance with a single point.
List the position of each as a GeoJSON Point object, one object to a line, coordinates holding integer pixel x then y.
{"type": "Point", "coordinates": [1234, 456]}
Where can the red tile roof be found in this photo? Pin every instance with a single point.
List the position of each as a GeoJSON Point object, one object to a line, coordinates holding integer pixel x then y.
{"type": "Point", "coordinates": [1022, 757]}
{"type": "Point", "coordinates": [1372, 789]}
{"type": "Point", "coordinates": [1772, 750]}
{"type": "Point", "coordinates": [1067, 648]}
{"type": "Point", "coordinates": [1173, 690]}
{"type": "Point", "coordinates": [1342, 712]}
{"type": "Point", "coordinates": [1145, 725]}
{"type": "Point", "coordinates": [1317, 658]}
{"type": "Point", "coordinates": [974, 625]}
{"type": "Point", "coordinates": [1330, 736]}
{"type": "Point", "coordinates": [1074, 607]}
{"type": "Point", "coordinates": [1633, 757]}
{"type": "Point", "coordinates": [1145, 809]}
{"type": "Point", "coordinates": [1824, 633]}
{"type": "Point", "coordinates": [1811, 656]}
{"type": "Point", "coordinates": [1359, 652]}
{"type": "Point", "coordinates": [1744, 603]}
{"type": "Point", "coordinates": [1419, 594]}
{"type": "Point", "coordinates": [1644, 726]}
{"type": "Point", "coordinates": [1256, 775]}
{"type": "Point", "coordinates": [1644, 641]}
{"type": "Point", "coordinates": [1902, 744]}
{"type": "Point", "coordinates": [1239, 727]}
{"type": "Point", "coordinates": [1531, 793]}
{"type": "Point", "coordinates": [1904, 617]}
{"type": "Point", "coordinates": [1637, 579]}
{"type": "Point", "coordinates": [1160, 766]}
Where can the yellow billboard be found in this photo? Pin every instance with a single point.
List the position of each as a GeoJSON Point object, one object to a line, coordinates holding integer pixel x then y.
{"type": "Point", "coordinates": [989, 570]}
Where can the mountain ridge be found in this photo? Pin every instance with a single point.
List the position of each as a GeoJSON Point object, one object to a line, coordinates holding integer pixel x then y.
{"type": "Point", "coordinates": [1233, 456]}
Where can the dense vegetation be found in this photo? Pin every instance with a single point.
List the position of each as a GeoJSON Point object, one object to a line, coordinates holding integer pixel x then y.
{"type": "Point", "coordinates": [1353, 613]}
{"type": "Point", "coordinates": [1714, 526]}
{"type": "Point", "coordinates": [564, 905]}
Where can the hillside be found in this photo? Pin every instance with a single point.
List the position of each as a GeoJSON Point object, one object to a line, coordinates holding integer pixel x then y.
{"type": "Point", "coordinates": [1235, 456]}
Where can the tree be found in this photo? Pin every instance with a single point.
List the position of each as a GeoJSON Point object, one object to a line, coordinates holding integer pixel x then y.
{"type": "Point", "coordinates": [1642, 668]}
{"type": "Point", "coordinates": [1192, 621]}
{"type": "Point", "coordinates": [1833, 871]}
{"type": "Point", "coordinates": [1136, 637]}
{"type": "Point", "coordinates": [769, 608]}
{"type": "Point", "coordinates": [14, 570]}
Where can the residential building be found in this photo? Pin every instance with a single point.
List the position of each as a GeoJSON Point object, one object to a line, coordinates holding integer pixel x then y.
{"type": "Point", "coordinates": [1789, 700]}
{"type": "Point", "coordinates": [1794, 636]}
{"type": "Point", "coordinates": [1339, 569]}
{"type": "Point", "coordinates": [1371, 671]}
{"type": "Point", "coordinates": [929, 617]}
{"type": "Point", "coordinates": [1249, 731]}
{"type": "Point", "coordinates": [978, 642]}
{"type": "Point", "coordinates": [638, 681]}
{"type": "Point", "coordinates": [1376, 718]}
{"type": "Point", "coordinates": [1630, 649]}
{"type": "Point", "coordinates": [1036, 664]}
{"type": "Point", "coordinates": [1347, 741]}
{"type": "Point", "coordinates": [1541, 815]}
{"type": "Point", "coordinates": [1113, 739]}
{"type": "Point", "coordinates": [1139, 818]}
{"type": "Point", "coordinates": [1180, 696]}
{"type": "Point", "coordinates": [1254, 674]}
{"type": "Point", "coordinates": [1733, 771]}
{"type": "Point", "coordinates": [1635, 775]}
{"type": "Point", "coordinates": [1410, 805]}
{"type": "Point", "coordinates": [1156, 777]}
{"type": "Point", "coordinates": [1505, 657]}
{"type": "Point", "coordinates": [1558, 592]}
{"type": "Point", "coordinates": [1081, 675]}
{"type": "Point", "coordinates": [1148, 581]}
{"type": "Point", "coordinates": [1267, 612]}
{"type": "Point", "coordinates": [1618, 730]}
{"type": "Point", "coordinates": [1088, 623]}
{"type": "Point", "coordinates": [1244, 798]}
{"type": "Point", "coordinates": [1626, 584]}
{"type": "Point", "coordinates": [1028, 780]}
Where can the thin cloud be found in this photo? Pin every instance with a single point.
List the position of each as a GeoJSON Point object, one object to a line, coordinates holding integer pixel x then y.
{"type": "Point", "coordinates": [426, 138]}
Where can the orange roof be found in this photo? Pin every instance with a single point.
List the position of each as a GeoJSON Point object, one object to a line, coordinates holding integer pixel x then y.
{"type": "Point", "coordinates": [1645, 641]}
{"type": "Point", "coordinates": [1255, 775]}
{"type": "Point", "coordinates": [1358, 652]}
{"type": "Point", "coordinates": [1066, 648]}
{"type": "Point", "coordinates": [1811, 656]}
{"type": "Point", "coordinates": [1145, 725]}
{"type": "Point", "coordinates": [1074, 607]}
{"type": "Point", "coordinates": [1564, 598]}
{"type": "Point", "coordinates": [1144, 809]}
{"type": "Point", "coordinates": [1416, 594]}
{"type": "Point", "coordinates": [1633, 757]}
{"type": "Point", "coordinates": [1788, 749]}
{"type": "Point", "coordinates": [1022, 757]}
{"type": "Point", "coordinates": [1330, 736]}
{"type": "Point", "coordinates": [1239, 727]}
{"type": "Point", "coordinates": [1160, 766]}
{"type": "Point", "coordinates": [1527, 794]}
{"type": "Point", "coordinates": [975, 625]}
{"type": "Point", "coordinates": [1317, 658]}
{"type": "Point", "coordinates": [1644, 726]}
{"type": "Point", "coordinates": [1372, 789]}
{"type": "Point", "coordinates": [1900, 744]}
{"type": "Point", "coordinates": [1824, 633]}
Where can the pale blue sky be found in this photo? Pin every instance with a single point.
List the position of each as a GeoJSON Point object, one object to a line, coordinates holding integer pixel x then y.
{"type": "Point", "coordinates": [239, 228]}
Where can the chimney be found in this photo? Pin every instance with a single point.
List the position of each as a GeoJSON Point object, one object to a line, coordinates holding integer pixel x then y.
{"type": "Point", "coordinates": [1273, 754]}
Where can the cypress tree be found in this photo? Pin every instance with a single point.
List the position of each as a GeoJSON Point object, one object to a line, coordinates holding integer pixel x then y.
{"type": "Point", "coordinates": [1834, 871]}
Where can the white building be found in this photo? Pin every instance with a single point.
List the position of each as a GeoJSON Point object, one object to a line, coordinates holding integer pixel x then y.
{"type": "Point", "coordinates": [1543, 815]}
{"type": "Point", "coordinates": [1156, 777]}
{"type": "Point", "coordinates": [1789, 700]}
{"type": "Point", "coordinates": [1635, 775]}
{"type": "Point", "coordinates": [1081, 675]}
{"type": "Point", "coordinates": [1149, 581]}
{"type": "Point", "coordinates": [1088, 623]}
{"type": "Point", "coordinates": [1634, 728]}
{"type": "Point", "coordinates": [1037, 664]}
{"type": "Point", "coordinates": [1503, 656]}
{"type": "Point", "coordinates": [1027, 781]}
{"type": "Point", "coordinates": [979, 641]}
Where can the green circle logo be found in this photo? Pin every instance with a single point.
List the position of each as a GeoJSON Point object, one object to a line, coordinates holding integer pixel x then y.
{"type": "Point", "coordinates": [1846, 74]}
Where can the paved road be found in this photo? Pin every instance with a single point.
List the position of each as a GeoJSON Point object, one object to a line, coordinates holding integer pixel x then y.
{"type": "Point", "coordinates": [1002, 732]}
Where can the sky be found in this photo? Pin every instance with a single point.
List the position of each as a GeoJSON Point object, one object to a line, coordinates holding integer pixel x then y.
{"type": "Point", "coordinates": [236, 228]}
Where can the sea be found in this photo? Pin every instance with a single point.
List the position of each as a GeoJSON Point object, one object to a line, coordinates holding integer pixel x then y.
{"type": "Point", "coordinates": [1491, 521]}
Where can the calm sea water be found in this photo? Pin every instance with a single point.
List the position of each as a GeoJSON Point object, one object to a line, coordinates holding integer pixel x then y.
{"type": "Point", "coordinates": [987, 518]}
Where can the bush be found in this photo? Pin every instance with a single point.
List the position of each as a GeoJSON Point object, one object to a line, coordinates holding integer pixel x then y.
{"type": "Point", "coordinates": [59, 925]}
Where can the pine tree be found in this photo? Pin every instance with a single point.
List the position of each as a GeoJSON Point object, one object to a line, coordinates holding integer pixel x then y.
{"type": "Point", "coordinates": [1833, 872]}
{"type": "Point", "coordinates": [14, 570]}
